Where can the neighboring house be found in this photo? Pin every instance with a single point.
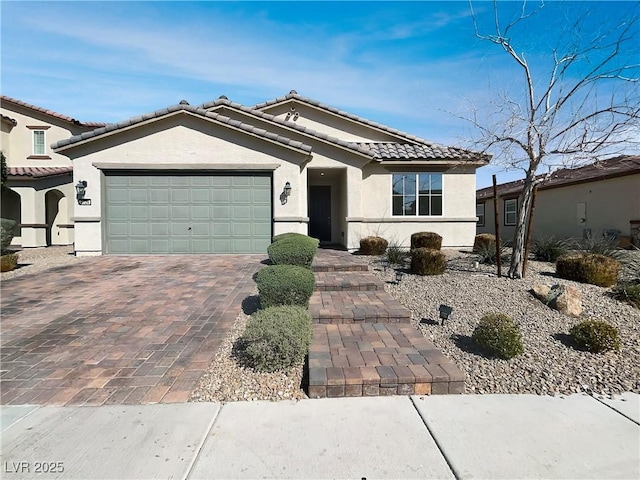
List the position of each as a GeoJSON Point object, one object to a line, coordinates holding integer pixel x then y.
{"type": "Point", "coordinates": [601, 199]}
{"type": "Point", "coordinates": [40, 195]}
{"type": "Point", "coordinates": [225, 178]}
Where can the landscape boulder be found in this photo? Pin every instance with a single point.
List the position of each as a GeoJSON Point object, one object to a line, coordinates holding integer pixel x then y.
{"type": "Point", "coordinates": [564, 298]}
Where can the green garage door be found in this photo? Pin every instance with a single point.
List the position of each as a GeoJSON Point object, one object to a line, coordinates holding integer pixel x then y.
{"type": "Point", "coordinates": [172, 213]}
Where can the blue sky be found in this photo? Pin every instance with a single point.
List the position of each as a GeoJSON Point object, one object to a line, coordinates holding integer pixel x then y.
{"type": "Point", "coordinates": [410, 65]}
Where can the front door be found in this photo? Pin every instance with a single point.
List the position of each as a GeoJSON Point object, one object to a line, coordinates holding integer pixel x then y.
{"type": "Point", "coordinates": [320, 213]}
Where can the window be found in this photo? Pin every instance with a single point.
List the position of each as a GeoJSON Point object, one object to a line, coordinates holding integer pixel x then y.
{"type": "Point", "coordinates": [510, 211]}
{"type": "Point", "coordinates": [416, 194]}
{"type": "Point", "coordinates": [480, 214]}
{"type": "Point", "coordinates": [38, 142]}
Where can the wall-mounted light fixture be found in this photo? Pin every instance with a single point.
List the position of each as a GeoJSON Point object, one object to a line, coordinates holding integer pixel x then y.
{"type": "Point", "coordinates": [81, 190]}
{"type": "Point", "coordinates": [285, 193]}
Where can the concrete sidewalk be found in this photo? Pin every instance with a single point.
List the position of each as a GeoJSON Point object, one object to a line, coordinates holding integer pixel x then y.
{"type": "Point", "coordinates": [451, 436]}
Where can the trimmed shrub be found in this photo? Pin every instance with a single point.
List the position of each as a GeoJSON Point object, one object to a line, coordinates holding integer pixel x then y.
{"type": "Point", "coordinates": [484, 239]}
{"type": "Point", "coordinates": [549, 249]}
{"type": "Point", "coordinates": [589, 268]}
{"type": "Point", "coordinates": [7, 232]}
{"type": "Point", "coordinates": [287, 235]}
{"type": "Point", "coordinates": [499, 336]}
{"type": "Point", "coordinates": [627, 292]}
{"type": "Point", "coordinates": [373, 246]}
{"type": "Point", "coordinates": [8, 262]}
{"type": "Point", "coordinates": [396, 255]}
{"type": "Point", "coordinates": [293, 250]}
{"type": "Point", "coordinates": [425, 261]}
{"type": "Point", "coordinates": [277, 338]}
{"type": "Point", "coordinates": [426, 240]}
{"type": "Point", "coordinates": [285, 285]}
{"type": "Point", "coordinates": [596, 336]}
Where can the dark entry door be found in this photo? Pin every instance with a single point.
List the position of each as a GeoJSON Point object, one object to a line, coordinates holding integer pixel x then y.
{"type": "Point", "coordinates": [320, 213]}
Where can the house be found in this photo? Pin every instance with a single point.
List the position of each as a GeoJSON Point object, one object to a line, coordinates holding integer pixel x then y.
{"type": "Point", "coordinates": [40, 193]}
{"type": "Point", "coordinates": [224, 178]}
{"type": "Point", "coordinates": [600, 199]}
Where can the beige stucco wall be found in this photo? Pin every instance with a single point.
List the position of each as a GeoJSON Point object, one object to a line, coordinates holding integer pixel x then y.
{"type": "Point", "coordinates": [610, 205]}
{"type": "Point", "coordinates": [186, 142]}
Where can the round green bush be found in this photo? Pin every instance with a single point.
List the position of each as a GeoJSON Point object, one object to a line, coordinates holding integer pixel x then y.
{"type": "Point", "coordinates": [425, 261]}
{"type": "Point", "coordinates": [285, 285]}
{"type": "Point", "coordinates": [7, 232]}
{"type": "Point", "coordinates": [286, 235]}
{"type": "Point", "coordinates": [373, 246]}
{"type": "Point", "coordinates": [484, 240]}
{"type": "Point", "coordinates": [589, 268]}
{"type": "Point", "coordinates": [596, 336]}
{"type": "Point", "coordinates": [426, 240]}
{"type": "Point", "coordinates": [499, 336]}
{"type": "Point", "coordinates": [293, 250]}
{"type": "Point", "coordinates": [277, 338]}
{"type": "Point", "coordinates": [627, 292]}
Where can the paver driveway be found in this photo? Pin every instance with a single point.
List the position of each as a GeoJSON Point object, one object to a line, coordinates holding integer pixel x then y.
{"type": "Point", "coordinates": [115, 330]}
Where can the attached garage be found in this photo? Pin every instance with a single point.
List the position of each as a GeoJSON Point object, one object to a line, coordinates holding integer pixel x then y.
{"type": "Point", "coordinates": [152, 212]}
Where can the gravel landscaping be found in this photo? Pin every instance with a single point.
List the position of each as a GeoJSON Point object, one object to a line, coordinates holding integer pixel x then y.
{"type": "Point", "coordinates": [549, 365]}
{"type": "Point", "coordinates": [34, 260]}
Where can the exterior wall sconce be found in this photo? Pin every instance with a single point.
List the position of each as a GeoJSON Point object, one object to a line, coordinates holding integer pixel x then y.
{"type": "Point", "coordinates": [285, 193]}
{"type": "Point", "coordinates": [81, 190]}
{"type": "Point", "coordinates": [445, 311]}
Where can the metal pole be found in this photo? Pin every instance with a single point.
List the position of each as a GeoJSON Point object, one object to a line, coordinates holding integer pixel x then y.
{"type": "Point", "coordinates": [497, 225]}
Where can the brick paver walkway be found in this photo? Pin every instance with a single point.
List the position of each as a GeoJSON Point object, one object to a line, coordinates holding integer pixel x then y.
{"type": "Point", "coordinates": [119, 329]}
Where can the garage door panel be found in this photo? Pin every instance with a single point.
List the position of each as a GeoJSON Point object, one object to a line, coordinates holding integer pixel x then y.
{"type": "Point", "coordinates": [158, 213]}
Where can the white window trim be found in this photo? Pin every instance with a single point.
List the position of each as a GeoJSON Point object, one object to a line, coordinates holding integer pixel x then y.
{"type": "Point", "coordinates": [511, 201]}
{"type": "Point", "coordinates": [481, 222]}
{"type": "Point", "coordinates": [43, 129]}
{"type": "Point", "coordinates": [417, 215]}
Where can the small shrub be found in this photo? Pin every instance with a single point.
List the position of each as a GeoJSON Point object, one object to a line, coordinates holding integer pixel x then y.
{"type": "Point", "coordinates": [601, 246]}
{"type": "Point", "coordinates": [373, 246]}
{"type": "Point", "coordinates": [484, 240]}
{"type": "Point", "coordinates": [8, 262]}
{"type": "Point", "coordinates": [293, 250]}
{"type": "Point", "coordinates": [549, 249]}
{"type": "Point", "coordinates": [627, 292]}
{"type": "Point", "coordinates": [596, 336]}
{"type": "Point", "coordinates": [499, 336]}
{"type": "Point", "coordinates": [425, 261]}
{"type": "Point", "coordinates": [277, 338]}
{"type": "Point", "coordinates": [396, 255]}
{"type": "Point", "coordinates": [287, 235]}
{"type": "Point", "coordinates": [589, 268]}
{"type": "Point", "coordinates": [426, 240]}
{"type": "Point", "coordinates": [285, 285]}
{"type": "Point", "coordinates": [7, 232]}
{"type": "Point", "coordinates": [487, 254]}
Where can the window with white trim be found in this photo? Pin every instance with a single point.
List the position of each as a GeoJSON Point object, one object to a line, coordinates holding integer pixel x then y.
{"type": "Point", "coordinates": [480, 214]}
{"type": "Point", "coordinates": [510, 211]}
{"type": "Point", "coordinates": [416, 194]}
{"type": "Point", "coordinates": [38, 142]}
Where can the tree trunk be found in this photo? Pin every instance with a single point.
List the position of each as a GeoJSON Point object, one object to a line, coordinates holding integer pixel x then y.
{"type": "Point", "coordinates": [516, 269]}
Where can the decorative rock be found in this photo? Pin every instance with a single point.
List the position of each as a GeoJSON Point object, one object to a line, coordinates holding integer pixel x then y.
{"type": "Point", "coordinates": [564, 298]}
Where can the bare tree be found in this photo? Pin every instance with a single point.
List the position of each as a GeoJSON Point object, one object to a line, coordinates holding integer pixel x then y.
{"type": "Point", "coordinates": [584, 104]}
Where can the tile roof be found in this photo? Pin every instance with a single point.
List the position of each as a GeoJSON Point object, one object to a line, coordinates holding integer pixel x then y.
{"type": "Point", "coordinates": [38, 172]}
{"type": "Point", "coordinates": [220, 119]}
{"type": "Point", "coordinates": [293, 95]}
{"type": "Point", "coordinates": [300, 128]}
{"type": "Point", "coordinates": [10, 120]}
{"type": "Point", "coordinates": [51, 113]}
{"type": "Point", "coordinates": [408, 151]}
{"type": "Point", "coordinates": [602, 169]}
